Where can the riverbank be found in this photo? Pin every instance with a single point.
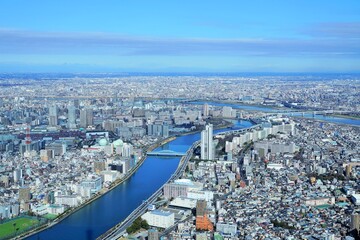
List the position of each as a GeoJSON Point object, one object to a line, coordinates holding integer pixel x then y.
{"type": "Point", "coordinates": [241, 104]}
{"type": "Point", "coordinates": [328, 120]}
{"type": "Point", "coordinates": [344, 116]}
{"type": "Point", "coordinates": [104, 191]}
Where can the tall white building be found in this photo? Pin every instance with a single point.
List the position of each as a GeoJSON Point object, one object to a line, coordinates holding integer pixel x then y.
{"type": "Point", "coordinates": [86, 117]}
{"type": "Point", "coordinates": [207, 144]}
{"type": "Point", "coordinates": [206, 110]}
{"type": "Point", "coordinates": [53, 115]}
{"type": "Point", "coordinates": [71, 117]}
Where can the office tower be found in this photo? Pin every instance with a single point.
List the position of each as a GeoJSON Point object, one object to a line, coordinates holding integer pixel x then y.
{"type": "Point", "coordinates": [71, 117]}
{"type": "Point", "coordinates": [161, 130]}
{"type": "Point", "coordinates": [207, 145]}
{"type": "Point", "coordinates": [53, 115]}
{"type": "Point", "coordinates": [86, 117]}
{"type": "Point", "coordinates": [206, 110]}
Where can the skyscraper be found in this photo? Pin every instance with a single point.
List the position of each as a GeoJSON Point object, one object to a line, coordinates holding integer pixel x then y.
{"type": "Point", "coordinates": [206, 110]}
{"type": "Point", "coordinates": [53, 115]}
{"type": "Point", "coordinates": [207, 144]}
{"type": "Point", "coordinates": [86, 117]}
{"type": "Point", "coordinates": [71, 117]}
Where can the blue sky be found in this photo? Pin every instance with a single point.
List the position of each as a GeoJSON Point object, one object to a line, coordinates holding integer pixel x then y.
{"type": "Point", "coordinates": [193, 36]}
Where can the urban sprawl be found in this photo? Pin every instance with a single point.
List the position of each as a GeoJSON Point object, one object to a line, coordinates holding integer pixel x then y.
{"type": "Point", "coordinates": [65, 141]}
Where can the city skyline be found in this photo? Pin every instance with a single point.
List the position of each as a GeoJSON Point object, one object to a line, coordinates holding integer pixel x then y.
{"type": "Point", "coordinates": [176, 36]}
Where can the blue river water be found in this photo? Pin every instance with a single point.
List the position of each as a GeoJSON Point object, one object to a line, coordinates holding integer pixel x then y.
{"type": "Point", "coordinates": [238, 106]}
{"type": "Point", "coordinates": [339, 120]}
{"type": "Point", "coordinates": [110, 209]}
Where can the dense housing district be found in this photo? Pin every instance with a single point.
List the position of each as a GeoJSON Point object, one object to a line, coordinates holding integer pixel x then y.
{"type": "Point", "coordinates": [297, 180]}
{"type": "Point", "coordinates": [66, 141]}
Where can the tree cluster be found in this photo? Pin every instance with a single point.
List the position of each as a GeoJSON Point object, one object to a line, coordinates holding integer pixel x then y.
{"type": "Point", "coordinates": [137, 225]}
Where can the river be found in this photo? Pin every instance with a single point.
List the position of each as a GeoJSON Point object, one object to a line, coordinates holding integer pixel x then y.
{"type": "Point", "coordinates": [339, 120]}
{"type": "Point", "coordinates": [96, 218]}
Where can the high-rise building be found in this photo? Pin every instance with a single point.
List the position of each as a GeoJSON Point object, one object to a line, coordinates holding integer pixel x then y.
{"type": "Point", "coordinates": [161, 130]}
{"type": "Point", "coordinates": [206, 110]}
{"type": "Point", "coordinates": [53, 115]}
{"type": "Point", "coordinates": [86, 117]}
{"type": "Point", "coordinates": [71, 117]}
{"type": "Point", "coordinates": [207, 144]}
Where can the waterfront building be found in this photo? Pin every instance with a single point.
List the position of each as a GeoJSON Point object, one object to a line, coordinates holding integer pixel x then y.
{"type": "Point", "coordinates": [161, 130]}
{"type": "Point", "coordinates": [158, 218]}
{"type": "Point", "coordinates": [68, 200]}
{"type": "Point", "coordinates": [94, 183]}
{"type": "Point", "coordinates": [207, 143]}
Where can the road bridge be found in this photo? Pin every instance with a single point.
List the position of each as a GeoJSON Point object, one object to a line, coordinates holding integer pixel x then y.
{"type": "Point", "coordinates": [166, 153]}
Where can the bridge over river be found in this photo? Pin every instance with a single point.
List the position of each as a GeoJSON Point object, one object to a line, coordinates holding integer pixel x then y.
{"type": "Point", "coordinates": [166, 153]}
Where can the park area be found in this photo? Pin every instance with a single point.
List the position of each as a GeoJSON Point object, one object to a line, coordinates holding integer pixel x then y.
{"type": "Point", "coordinates": [17, 225]}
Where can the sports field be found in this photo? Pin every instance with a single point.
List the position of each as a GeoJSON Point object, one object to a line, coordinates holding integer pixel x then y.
{"type": "Point", "coordinates": [18, 225]}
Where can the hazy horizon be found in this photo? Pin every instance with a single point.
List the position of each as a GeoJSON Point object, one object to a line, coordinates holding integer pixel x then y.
{"type": "Point", "coordinates": [180, 36]}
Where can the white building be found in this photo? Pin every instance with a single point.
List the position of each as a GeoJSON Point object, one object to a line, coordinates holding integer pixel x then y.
{"type": "Point", "coordinates": [184, 202]}
{"type": "Point", "coordinates": [200, 194]}
{"type": "Point", "coordinates": [69, 200]}
{"type": "Point", "coordinates": [159, 218]}
{"type": "Point", "coordinates": [207, 144]}
{"type": "Point", "coordinates": [71, 117]}
{"type": "Point", "coordinates": [110, 176]}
